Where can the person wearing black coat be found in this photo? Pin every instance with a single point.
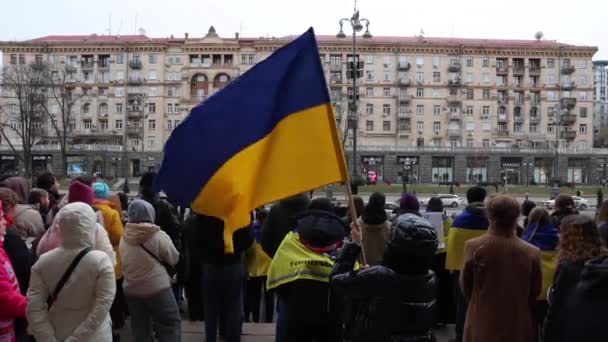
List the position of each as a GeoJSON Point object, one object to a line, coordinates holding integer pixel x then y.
{"type": "Point", "coordinates": [564, 206]}
{"type": "Point", "coordinates": [281, 220]}
{"type": "Point", "coordinates": [396, 299]}
{"type": "Point", "coordinates": [223, 274]}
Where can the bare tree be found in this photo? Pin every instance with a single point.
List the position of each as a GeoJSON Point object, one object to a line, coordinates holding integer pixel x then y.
{"type": "Point", "coordinates": [22, 125]}
{"type": "Point", "coordinates": [62, 96]}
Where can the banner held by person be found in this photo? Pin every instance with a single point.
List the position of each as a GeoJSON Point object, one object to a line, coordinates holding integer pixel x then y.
{"type": "Point", "coordinates": [267, 135]}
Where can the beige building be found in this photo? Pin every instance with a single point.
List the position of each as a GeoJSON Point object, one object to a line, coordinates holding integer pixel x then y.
{"type": "Point", "coordinates": [415, 91]}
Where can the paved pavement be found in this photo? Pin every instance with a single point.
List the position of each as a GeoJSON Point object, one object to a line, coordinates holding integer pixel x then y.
{"type": "Point", "coordinates": [193, 332]}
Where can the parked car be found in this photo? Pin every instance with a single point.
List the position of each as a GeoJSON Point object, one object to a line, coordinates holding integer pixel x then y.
{"type": "Point", "coordinates": [448, 200]}
{"type": "Point", "coordinates": [579, 203]}
{"type": "Point", "coordinates": [390, 207]}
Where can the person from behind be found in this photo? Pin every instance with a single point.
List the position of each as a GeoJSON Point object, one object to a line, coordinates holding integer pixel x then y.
{"type": "Point", "coordinates": [258, 264]}
{"type": "Point", "coordinates": [299, 273]}
{"type": "Point", "coordinates": [470, 223]}
{"type": "Point", "coordinates": [166, 215]}
{"type": "Point", "coordinates": [445, 296]}
{"type": "Point", "coordinates": [577, 300]}
{"type": "Point", "coordinates": [27, 221]}
{"type": "Point", "coordinates": [223, 275]}
{"type": "Point", "coordinates": [39, 200]}
{"type": "Point", "coordinates": [396, 299]}
{"type": "Point", "coordinates": [145, 250]}
{"type": "Point", "coordinates": [602, 221]}
{"type": "Point", "coordinates": [543, 234]}
{"type": "Point", "coordinates": [12, 302]}
{"type": "Point", "coordinates": [78, 310]}
{"type": "Point", "coordinates": [501, 279]}
{"type": "Point", "coordinates": [374, 227]}
{"type": "Point", "coordinates": [526, 209]}
{"type": "Point", "coordinates": [408, 204]}
{"type": "Point", "coordinates": [359, 208]}
{"type": "Point", "coordinates": [281, 220]}
{"type": "Point", "coordinates": [48, 182]}
{"type": "Point", "coordinates": [564, 206]}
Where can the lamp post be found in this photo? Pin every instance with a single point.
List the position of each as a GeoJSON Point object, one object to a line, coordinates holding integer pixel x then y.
{"type": "Point", "coordinates": [527, 165]}
{"type": "Point", "coordinates": [356, 24]}
{"type": "Point", "coordinates": [408, 164]}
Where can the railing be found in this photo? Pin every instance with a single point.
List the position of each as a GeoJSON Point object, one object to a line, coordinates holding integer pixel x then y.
{"type": "Point", "coordinates": [70, 148]}
{"type": "Point", "coordinates": [454, 67]}
{"type": "Point", "coordinates": [335, 67]}
{"type": "Point", "coordinates": [454, 132]}
{"type": "Point", "coordinates": [568, 85]}
{"type": "Point", "coordinates": [568, 134]}
{"type": "Point", "coordinates": [454, 116]}
{"type": "Point", "coordinates": [134, 130]}
{"type": "Point", "coordinates": [568, 118]}
{"type": "Point", "coordinates": [405, 98]}
{"type": "Point", "coordinates": [519, 118]}
{"type": "Point", "coordinates": [502, 133]}
{"type": "Point", "coordinates": [404, 82]}
{"type": "Point", "coordinates": [135, 81]}
{"type": "Point", "coordinates": [87, 64]}
{"type": "Point", "coordinates": [568, 101]}
{"type": "Point", "coordinates": [534, 70]}
{"type": "Point", "coordinates": [454, 83]}
{"type": "Point", "coordinates": [519, 69]}
{"type": "Point", "coordinates": [135, 64]}
{"type": "Point", "coordinates": [403, 66]}
{"type": "Point", "coordinates": [502, 69]}
{"type": "Point", "coordinates": [454, 99]}
{"type": "Point", "coordinates": [568, 69]}
{"type": "Point", "coordinates": [480, 150]}
{"type": "Point", "coordinates": [503, 117]}
{"type": "Point", "coordinates": [534, 118]}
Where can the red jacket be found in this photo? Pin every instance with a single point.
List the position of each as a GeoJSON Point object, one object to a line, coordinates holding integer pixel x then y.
{"type": "Point", "coordinates": [12, 301]}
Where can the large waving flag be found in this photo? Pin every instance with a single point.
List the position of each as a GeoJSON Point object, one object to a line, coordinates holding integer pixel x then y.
{"type": "Point", "coordinates": [268, 135]}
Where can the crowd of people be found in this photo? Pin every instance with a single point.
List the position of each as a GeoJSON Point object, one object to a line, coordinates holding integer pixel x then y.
{"type": "Point", "coordinates": [75, 267]}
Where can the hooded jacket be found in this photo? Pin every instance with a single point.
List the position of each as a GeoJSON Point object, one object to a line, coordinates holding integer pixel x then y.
{"type": "Point", "coordinates": [578, 302]}
{"type": "Point", "coordinates": [81, 310]}
{"type": "Point", "coordinates": [374, 240]}
{"type": "Point", "coordinates": [470, 223]}
{"type": "Point", "coordinates": [113, 225]}
{"type": "Point", "coordinates": [395, 300]}
{"type": "Point", "coordinates": [27, 220]}
{"type": "Point", "coordinates": [282, 219]}
{"type": "Point", "coordinates": [143, 275]}
{"type": "Point", "coordinates": [12, 301]}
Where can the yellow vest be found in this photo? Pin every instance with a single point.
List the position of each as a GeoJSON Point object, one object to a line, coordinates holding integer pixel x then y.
{"type": "Point", "coordinates": [294, 261]}
{"type": "Point", "coordinates": [257, 261]}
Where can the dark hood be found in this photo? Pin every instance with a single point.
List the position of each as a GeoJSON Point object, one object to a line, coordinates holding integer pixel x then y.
{"type": "Point", "coordinates": [20, 186]}
{"type": "Point", "coordinates": [411, 246]}
{"type": "Point", "coordinates": [594, 278]}
{"type": "Point", "coordinates": [296, 203]}
{"type": "Point", "coordinates": [472, 217]}
{"type": "Point", "coordinates": [320, 228]}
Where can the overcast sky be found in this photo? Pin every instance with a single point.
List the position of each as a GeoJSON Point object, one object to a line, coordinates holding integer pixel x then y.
{"type": "Point", "coordinates": [574, 22]}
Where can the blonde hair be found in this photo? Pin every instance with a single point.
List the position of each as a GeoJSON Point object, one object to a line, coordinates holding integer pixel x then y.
{"type": "Point", "coordinates": [579, 239]}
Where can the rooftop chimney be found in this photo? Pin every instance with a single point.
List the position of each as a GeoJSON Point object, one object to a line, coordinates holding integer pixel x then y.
{"type": "Point", "coordinates": [171, 36]}
{"type": "Point", "coordinates": [186, 35]}
{"type": "Point", "coordinates": [236, 35]}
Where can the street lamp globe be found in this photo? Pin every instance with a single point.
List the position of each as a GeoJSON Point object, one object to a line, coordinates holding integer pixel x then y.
{"type": "Point", "coordinates": [341, 34]}
{"type": "Point", "coordinates": [357, 26]}
{"type": "Point", "coordinates": [367, 34]}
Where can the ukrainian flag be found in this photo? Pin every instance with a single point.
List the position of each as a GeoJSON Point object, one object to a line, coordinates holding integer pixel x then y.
{"type": "Point", "coordinates": [269, 134]}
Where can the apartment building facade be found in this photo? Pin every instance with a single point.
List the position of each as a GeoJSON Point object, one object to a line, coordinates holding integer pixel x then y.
{"type": "Point", "coordinates": [600, 100]}
{"type": "Point", "coordinates": [467, 110]}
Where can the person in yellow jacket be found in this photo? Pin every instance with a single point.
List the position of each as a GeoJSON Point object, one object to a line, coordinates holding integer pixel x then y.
{"type": "Point", "coordinates": [112, 222]}
{"type": "Point", "coordinates": [258, 264]}
{"type": "Point", "coordinates": [469, 224]}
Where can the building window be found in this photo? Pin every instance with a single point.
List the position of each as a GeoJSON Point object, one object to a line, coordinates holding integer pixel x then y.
{"type": "Point", "coordinates": [151, 107]}
{"type": "Point", "coordinates": [118, 108]}
{"type": "Point", "coordinates": [550, 96]}
{"type": "Point", "coordinates": [550, 63]}
{"type": "Point", "coordinates": [485, 62]}
{"type": "Point", "coordinates": [169, 125]}
{"type": "Point", "coordinates": [442, 169]}
{"type": "Point", "coordinates": [582, 96]}
{"type": "Point", "coordinates": [169, 107]}
{"type": "Point", "coordinates": [420, 77]}
{"type": "Point", "coordinates": [582, 80]}
{"type": "Point", "coordinates": [420, 109]}
{"type": "Point", "coordinates": [436, 126]}
{"type": "Point", "coordinates": [435, 93]}
{"type": "Point", "coordinates": [550, 79]}
{"type": "Point", "coordinates": [151, 141]}
{"type": "Point", "coordinates": [468, 78]}
{"type": "Point", "coordinates": [486, 94]}
{"type": "Point", "coordinates": [369, 108]}
{"type": "Point", "coordinates": [420, 126]}
{"type": "Point", "coordinates": [152, 75]}
{"type": "Point", "coordinates": [119, 92]}
{"type": "Point", "coordinates": [103, 125]}
{"type": "Point", "coordinates": [420, 92]}
{"type": "Point", "coordinates": [386, 109]}
{"type": "Point", "coordinates": [386, 126]}
{"type": "Point", "coordinates": [151, 125]}
{"type": "Point", "coordinates": [118, 124]}
{"type": "Point", "coordinates": [419, 60]}
{"type": "Point", "coordinates": [14, 59]}
{"type": "Point", "coordinates": [87, 124]}
{"type": "Point", "coordinates": [369, 59]}
{"type": "Point", "coordinates": [469, 62]}
{"type": "Point", "coordinates": [369, 91]}
{"type": "Point", "coordinates": [152, 58]}
{"type": "Point", "coordinates": [120, 58]}
{"type": "Point", "coordinates": [436, 110]}
{"type": "Point", "coordinates": [387, 75]}
{"type": "Point", "coordinates": [386, 92]}
{"type": "Point", "coordinates": [369, 125]}
{"type": "Point", "coordinates": [469, 94]}
{"type": "Point", "coordinates": [486, 110]}
{"type": "Point", "coordinates": [469, 110]}
{"type": "Point", "coordinates": [436, 76]}
{"type": "Point", "coordinates": [583, 128]}
{"type": "Point", "coordinates": [583, 112]}
{"type": "Point", "coordinates": [369, 75]}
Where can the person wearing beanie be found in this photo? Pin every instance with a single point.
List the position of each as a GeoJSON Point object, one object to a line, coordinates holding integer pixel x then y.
{"type": "Point", "coordinates": [500, 279]}
{"type": "Point", "coordinates": [299, 273]}
{"type": "Point", "coordinates": [408, 204]}
{"type": "Point", "coordinates": [147, 284]}
{"type": "Point", "coordinates": [396, 299]}
{"type": "Point", "coordinates": [112, 223]}
{"type": "Point", "coordinates": [374, 226]}
{"type": "Point", "coordinates": [470, 223]}
{"type": "Point", "coordinates": [27, 221]}
{"type": "Point", "coordinates": [166, 215]}
{"type": "Point", "coordinates": [564, 206]}
{"type": "Point", "coordinates": [281, 220]}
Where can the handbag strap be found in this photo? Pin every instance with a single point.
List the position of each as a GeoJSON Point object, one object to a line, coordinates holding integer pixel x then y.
{"type": "Point", "coordinates": [69, 271]}
{"type": "Point", "coordinates": [534, 231]}
{"type": "Point", "coordinates": [152, 254]}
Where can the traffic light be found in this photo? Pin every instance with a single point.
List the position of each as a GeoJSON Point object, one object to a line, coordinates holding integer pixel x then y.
{"type": "Point", "coordinates": [354, 68]}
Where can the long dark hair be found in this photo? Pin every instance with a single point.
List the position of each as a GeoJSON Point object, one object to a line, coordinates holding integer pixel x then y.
{"type": "Point", "coordinates": [435, 205]}
{"type": "Point", "coordinates": [374, 212]}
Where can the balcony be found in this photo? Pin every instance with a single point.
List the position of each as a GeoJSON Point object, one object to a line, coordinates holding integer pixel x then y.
{"type": "Point", "coordinates": [455, 116]}
{"type": "Point", "coordinates": [519, 118]}
{"type": "Point", "coordinates": [518, 70]}
{"type": "Point", "coordinates": [454, 131]}
{"type": "Point", "coordinates": [503, 117]}
{"type": "Point", "coordinates": [454, 99]}
{"type": "Point", "coordinates": [405, 98]}
{"type": "Point", "coordinates": [135, 64]}
{"type": "Point", "coordinates": [501, 70]}
{"type": "Point", "coordinates": [568, 102]}
{"type": "Point", "coordinates": [568, 69]}
{"type": "Point", "coordinates": [454, 83]}
{"type": "Point", "coordinates": [70, 68]}
{"type": "Point", "coordinates": [519, 134]}
{"type": "Point", "coordinates": [403, 66]}
{"type": "Point", "coordinates": [134, 131]}
{"type": "Point", "coordinates": [103, 66]}
{"type": "Point", "coordinates": [569, 135]}
{"type": "Point", "coordinates": [404, 115]}
{"type": "Point", "coordinates": [87, 64]}
{"type": "Point", "coordinates": [404, 82]}
{"type": "Point", "coordinates": [502, 133]}
{"type": "Point", "coordinates": [534, 70]}
{"type": "Point", "coordinates": [335, 67]}
{"type": "Point", "coordinates": [335, 80]}
{"type": "Point", "coordinates": [568, 119]}
{"type": "Point", "coordinates": [535, 118]}
{"type": "Point", "coordinates": [135, 81]}
{"type": "Point", "coordinates": [502, 101]}
{"type": "Point", "coordinates": [454, 67]}
{"type": "Point", "coordinates": [568, 85]}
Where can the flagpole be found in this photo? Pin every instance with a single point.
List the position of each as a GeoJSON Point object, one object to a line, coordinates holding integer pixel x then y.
{"type": "Point", "coordinates": [353, 214]}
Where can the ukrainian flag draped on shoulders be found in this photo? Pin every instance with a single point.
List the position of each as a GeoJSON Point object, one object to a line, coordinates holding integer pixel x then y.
{"type": "Point", "coordinates": [469, 224]}
{"type": "Point", "coordinates": [546, 238]}
{"type": "Point", "coordinates": [267, 135]}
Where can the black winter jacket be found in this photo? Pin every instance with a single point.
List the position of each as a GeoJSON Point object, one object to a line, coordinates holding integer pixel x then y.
{"type": "Point", "coordinates": [166, 217]}
{"type": "Point", "coordinates": [282, 218]}
{"type": "Point", "coordinates": [578, 302]}
{"type": "Point", "coordinates": [389, 306]}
